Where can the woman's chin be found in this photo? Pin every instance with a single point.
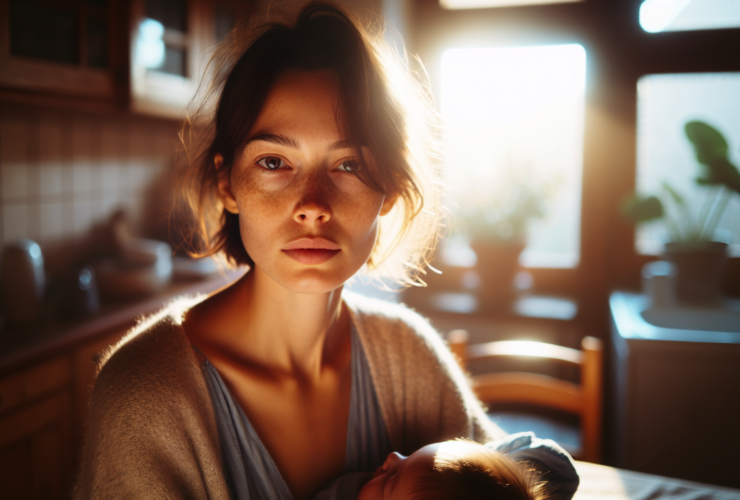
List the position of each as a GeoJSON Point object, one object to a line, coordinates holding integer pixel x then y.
{"type": "Point", "coordinates": [313, 282]}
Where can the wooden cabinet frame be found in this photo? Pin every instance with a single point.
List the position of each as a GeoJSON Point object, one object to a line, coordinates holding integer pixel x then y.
{"type": "Point", "coordinates": [48, 77]}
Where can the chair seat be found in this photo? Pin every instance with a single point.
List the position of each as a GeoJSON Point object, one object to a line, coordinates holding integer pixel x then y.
{"type": "Point", "coordinates": [565, 434]}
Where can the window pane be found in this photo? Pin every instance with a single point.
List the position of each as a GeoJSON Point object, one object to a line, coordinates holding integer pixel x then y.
{"type": "Point", "coordinates": [686, 15]}
{"type": "Point", "coordinates": [174, 62]}
{"type": "Point", "coordinates": [514, 122]}
{"type": "Point", "coordinates": [479, 4]}
{"type": "Point", "coordinates": [664, 104]}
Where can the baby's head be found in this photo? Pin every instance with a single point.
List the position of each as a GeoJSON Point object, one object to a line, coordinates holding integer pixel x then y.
{"type": "Point", "coordinates": [451, 470]}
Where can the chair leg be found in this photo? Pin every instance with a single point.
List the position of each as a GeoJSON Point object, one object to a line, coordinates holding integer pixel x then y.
{"type": "Point", "coordinates": [591, 382]}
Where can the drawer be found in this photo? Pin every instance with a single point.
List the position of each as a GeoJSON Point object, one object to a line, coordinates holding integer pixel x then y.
{"type": "Point", "coordinates": [29, 384]}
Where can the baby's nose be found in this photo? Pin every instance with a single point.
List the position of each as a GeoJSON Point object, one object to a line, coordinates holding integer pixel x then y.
{"type": "Point", "coordinates": [393, 460]}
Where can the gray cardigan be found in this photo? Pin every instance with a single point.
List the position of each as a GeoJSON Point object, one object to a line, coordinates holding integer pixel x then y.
{"type": "Point", "coordinates": [151, 430]}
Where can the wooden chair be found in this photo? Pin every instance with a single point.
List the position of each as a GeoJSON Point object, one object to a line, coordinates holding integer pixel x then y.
{"type": "Point", "coordinates": [583, 400]}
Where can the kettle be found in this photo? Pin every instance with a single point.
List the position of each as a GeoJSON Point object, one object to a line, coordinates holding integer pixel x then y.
{"type": "Point", "coordinates": [22, 281]}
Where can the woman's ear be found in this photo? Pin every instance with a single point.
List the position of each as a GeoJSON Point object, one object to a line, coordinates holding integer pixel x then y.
{"type": "Point", "coordinates": [224, 186]}
{"type": "Point", "coordinates": [388, 203]}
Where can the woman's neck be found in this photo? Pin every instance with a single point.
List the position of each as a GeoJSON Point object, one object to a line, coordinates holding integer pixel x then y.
{"type": "Point", "coordinates": [264, 324]}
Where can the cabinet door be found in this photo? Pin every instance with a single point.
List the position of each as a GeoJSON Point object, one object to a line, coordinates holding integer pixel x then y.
{"type": "Point", "coordinates": [172, 41]}
{"type": "Point", "coordinates": [35, 450]}
{"type": "Point", "coordinates": [60, 47]}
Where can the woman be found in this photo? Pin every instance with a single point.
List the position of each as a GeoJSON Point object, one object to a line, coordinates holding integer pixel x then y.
{"type": "Point", "coordinates": [279, 383]}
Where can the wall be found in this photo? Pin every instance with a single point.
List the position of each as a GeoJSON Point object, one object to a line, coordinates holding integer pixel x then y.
{"type": "Point", "coordinates": [61, 172]}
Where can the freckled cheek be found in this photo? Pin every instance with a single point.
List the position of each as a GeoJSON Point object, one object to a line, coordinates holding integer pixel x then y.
{"type": "Point", "coordinates": [361, 213]}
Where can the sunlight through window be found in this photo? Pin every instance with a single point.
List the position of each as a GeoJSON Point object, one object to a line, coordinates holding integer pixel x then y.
{"type": "Point", "coordinates": [684, 15]}
{"type": "Point", "coordinates": [481, 4]}
{"type": "Point", "coordinates": [514, 121]}
{"type": "Point", "coordinates": [665, 103]}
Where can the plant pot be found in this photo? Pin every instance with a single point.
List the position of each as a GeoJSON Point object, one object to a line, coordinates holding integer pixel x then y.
{"type": "Point", "coordinates": [497, 264]}
{"type": "Point", "coordinates": [700, 268]}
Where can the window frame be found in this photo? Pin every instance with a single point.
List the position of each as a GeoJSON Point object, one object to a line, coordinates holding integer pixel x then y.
{"type": "Point", "coordinates": [619, 52]}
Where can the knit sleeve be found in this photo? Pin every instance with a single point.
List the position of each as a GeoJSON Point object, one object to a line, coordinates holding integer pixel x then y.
{"type": "Point", "coordinates": [151, 432]}
{"type": "Point", "coordinates": [424, 395]}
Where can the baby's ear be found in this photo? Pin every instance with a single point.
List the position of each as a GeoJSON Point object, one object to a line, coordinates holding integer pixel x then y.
{"type": "Point", "coordinates": [224, 185]}
{"type": "Point", "coordinates": [388, 203]}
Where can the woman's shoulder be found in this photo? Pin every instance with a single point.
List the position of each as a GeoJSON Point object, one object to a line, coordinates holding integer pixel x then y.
{"type": "Point", "coordinates": [391, 319]}
{"type": "Point", "coordinates": [151, 430]}
{"type": "Point", "coordinates": [153, 351]}
{"type": "Point", "coordinates": [393, 326]}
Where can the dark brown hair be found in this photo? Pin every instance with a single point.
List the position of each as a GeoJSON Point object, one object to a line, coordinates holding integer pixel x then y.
{"type": "Point", "coordinates": [469, 471]}
{"type": "Point", "coordinates": [382, 108]}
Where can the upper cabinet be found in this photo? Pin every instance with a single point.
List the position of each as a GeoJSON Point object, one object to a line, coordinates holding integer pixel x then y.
{"type": "Point", "coordinates": [146, 55]}
{"type": "Point", "coordinates": [62, 47]}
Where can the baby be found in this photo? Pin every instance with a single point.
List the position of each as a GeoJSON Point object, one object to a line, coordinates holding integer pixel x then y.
{"type": "Point", "coordinates": [512, 469]}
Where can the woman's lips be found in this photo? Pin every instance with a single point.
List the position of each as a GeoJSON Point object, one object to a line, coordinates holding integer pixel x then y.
{"type": "Point", "coordinates": [311, 255]}
{"type": "Point", "coordinates": [311, 250]}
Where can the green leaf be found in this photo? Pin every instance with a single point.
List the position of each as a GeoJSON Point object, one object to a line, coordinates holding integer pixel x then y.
{"type": "Point", "coordinates": [721, 172]}
{"type": "Point", "coordinates": [677, 198]}
{"type": "Point", "coordinates": [709, 144]}
{"type": "Point", "coordinates": [642, 208]}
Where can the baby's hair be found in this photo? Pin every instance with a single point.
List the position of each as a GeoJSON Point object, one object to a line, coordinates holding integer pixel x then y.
{"type": "Point", "coordinates": [471, 471]}
{"type": "Point", "coordinates": [383, 109]}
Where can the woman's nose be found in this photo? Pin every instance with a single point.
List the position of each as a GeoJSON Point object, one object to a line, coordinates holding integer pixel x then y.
{"type": "Point", "coordinates": [312, 213]}
{"type": "Point", "coordinates": [313, 207]}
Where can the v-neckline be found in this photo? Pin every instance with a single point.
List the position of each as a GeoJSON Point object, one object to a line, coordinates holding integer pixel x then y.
{"type": "Point", "coordinates": [261, 448]}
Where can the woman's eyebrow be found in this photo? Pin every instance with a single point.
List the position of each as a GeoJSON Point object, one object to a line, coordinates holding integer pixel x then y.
{"type": "Point", "coordinates": [283, 140]}
{"type": "Point", "coordinates": [343, 144]}
{"type": "Point", "coordinates": [275, 139]}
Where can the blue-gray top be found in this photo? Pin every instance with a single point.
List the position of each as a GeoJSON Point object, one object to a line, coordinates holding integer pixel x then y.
{"type": "Point", "coordinates": [250, 471]}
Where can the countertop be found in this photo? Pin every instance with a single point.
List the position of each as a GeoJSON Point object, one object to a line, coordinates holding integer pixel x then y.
{"type": "Point", "coordinates": [631, 318]}
{"type": "Point", "coordinates": [20, 346]}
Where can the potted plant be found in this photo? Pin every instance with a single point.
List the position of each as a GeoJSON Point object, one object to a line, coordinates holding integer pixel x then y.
{"type": "Point", "coordinates": [699, 260]}
{"type": "Point", "coordinates": [493, 213]}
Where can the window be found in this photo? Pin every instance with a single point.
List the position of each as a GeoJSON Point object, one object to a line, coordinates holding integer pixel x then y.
{"type": "Point", "coordinates": [479, 4]}
{"type": "Point", "coordinates": [664, 104]}
{"type": "Point", "coordinates": [513, 121]}
{"type": "Point", "coordinates": [684, 15]}
{"type": "Point", "coordinates": [618, 53]}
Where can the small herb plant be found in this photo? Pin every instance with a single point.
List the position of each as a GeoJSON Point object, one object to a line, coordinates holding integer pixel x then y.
{"type": "Point", "coordinates": [498, 207]}
{"type": "Point", "coordinates": [710, 148]}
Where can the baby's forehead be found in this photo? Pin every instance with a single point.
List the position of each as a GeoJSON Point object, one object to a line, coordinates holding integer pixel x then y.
{"type": "Point", "coordinates": [456, 448]}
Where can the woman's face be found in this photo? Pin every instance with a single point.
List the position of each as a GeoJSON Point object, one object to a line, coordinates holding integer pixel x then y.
{"type": "Point", "coordinates": [306, 219]}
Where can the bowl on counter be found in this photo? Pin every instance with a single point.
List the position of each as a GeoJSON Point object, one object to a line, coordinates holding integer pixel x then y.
{"type": "Point", "coordinates": [143, 267]}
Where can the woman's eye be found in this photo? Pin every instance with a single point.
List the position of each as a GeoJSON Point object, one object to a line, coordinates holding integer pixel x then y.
{"type": "Point", "coordinates": [351, 166]}
{"type": "Point", "coordinates": [271, 163]}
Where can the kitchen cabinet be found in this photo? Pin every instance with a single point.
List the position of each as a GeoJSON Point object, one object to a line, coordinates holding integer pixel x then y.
{"type": "Point", "coordinates": [72, 48]}
{"type": "Point", "coordinates": [35, 437]}
{"type": "Point", "coordinates": [144, 56]}
{"type": "Point", "coordinates": [46, 377]}
{"type": "Point", "coordinates": [676, 389]}
{"type": "Point", "coordinates": [42, 415]}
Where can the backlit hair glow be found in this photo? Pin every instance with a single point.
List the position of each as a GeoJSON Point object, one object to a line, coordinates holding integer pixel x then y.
{"type": "Point", "coordinates": [382, 108]}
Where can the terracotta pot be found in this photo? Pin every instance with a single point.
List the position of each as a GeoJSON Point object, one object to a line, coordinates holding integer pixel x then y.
{"type": "Point", "coordinates": [699, 269]}
{"type": "Point", "coordinates": [497, 264]}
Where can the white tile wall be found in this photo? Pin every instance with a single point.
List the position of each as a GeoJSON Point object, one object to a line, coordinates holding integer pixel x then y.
{"type": "Point", "coordinates": [60, 173]}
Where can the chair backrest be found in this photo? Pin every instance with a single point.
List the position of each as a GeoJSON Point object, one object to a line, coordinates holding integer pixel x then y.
{"type": "Point", "coordinates": [582, 399]}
